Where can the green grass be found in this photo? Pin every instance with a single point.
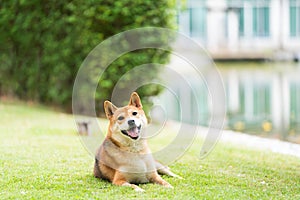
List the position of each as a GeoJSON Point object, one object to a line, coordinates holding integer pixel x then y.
{"type": "Point", "coordinates": [42, 157]}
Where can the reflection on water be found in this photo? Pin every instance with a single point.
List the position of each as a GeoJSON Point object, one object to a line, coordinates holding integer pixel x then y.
{"type": "Point", "coordinates": [262, 99]}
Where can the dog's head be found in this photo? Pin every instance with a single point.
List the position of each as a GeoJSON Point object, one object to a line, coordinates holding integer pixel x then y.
{"type": "Point", "coordinates": [126, 121]}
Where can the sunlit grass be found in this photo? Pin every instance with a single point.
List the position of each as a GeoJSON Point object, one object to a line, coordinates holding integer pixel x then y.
{"type": "Point", "coordinates": [43, 158]}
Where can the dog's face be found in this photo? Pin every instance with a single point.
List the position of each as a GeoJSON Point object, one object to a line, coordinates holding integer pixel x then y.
{"type": "Point", "coordinates": [126, 121]}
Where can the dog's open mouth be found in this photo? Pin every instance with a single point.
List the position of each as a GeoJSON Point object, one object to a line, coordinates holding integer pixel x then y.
{"type": "Point", "coordinates": [133, 132]}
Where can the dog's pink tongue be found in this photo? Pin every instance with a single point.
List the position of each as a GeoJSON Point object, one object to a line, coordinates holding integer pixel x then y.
{"type": "Point", "coordinates": [133, 132]}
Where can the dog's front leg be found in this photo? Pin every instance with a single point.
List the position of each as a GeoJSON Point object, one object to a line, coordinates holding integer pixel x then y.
{"type": "Point", "coordinates": [155, 178]}
{"type": "Point", "coordinates": [164, 170]}
{"type": "Point", "coordinates": [120, 180]}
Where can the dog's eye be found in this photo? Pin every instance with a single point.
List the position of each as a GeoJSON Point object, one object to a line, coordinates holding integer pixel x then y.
{"type": "Point", "coordinates": [134, 113]}
{"type": "Point", "coordinates": [120, 118]}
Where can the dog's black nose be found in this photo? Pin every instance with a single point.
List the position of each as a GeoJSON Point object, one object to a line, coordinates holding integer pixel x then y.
{"type": "Point", "coordinates": [131, 122]}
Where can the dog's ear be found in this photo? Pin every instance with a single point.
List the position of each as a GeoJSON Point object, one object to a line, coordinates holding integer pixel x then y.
{"type": "Point", "coordinates": [109, 109]}
{"type": "Point", "coordinates": [135, 100]}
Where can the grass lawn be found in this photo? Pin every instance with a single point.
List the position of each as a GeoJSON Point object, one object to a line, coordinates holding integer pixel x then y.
{"type": "Point", "coordinates": [41, 157]}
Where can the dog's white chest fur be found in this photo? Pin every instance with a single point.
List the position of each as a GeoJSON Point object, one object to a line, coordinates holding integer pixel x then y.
{"type": "Point", "coordinates": [137, 169]}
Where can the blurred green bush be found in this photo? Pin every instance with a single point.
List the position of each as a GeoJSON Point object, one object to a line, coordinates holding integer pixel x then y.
{"type": "Point", "coordinates": [43, 44]}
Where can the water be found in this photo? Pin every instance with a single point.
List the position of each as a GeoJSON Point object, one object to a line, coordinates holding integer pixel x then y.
{"type": "Point", "coordinates": [262, 98]}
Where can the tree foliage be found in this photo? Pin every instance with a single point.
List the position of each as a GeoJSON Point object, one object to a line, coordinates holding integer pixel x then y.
{"type": "Point", "coordinates": [43, 43]}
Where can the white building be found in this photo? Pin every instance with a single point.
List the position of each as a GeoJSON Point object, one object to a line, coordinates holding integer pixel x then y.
{"type": "Point", "coordinates": [243, 28]}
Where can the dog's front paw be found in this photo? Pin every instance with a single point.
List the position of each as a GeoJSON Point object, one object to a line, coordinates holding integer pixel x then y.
{"type": "Point", "coordinates": [138, 189]}
{"type": "Point", "coordinates": [168, 186]}
{"type": "Point", "coordinates": [179, 177]}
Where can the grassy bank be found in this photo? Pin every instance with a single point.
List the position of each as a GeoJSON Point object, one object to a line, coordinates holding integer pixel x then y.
{"type": "Point", "coordinates": [41, 157]}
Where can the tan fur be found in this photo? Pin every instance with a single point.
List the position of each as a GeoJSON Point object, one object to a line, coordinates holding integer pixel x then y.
{"type": "Point", "coordinates": [123, 160]}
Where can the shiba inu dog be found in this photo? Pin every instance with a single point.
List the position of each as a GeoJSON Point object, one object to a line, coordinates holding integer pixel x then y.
{"type": "Point", "coordinates": [124, 157]}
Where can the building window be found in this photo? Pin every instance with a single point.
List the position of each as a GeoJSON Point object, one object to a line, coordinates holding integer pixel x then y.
{"type": "Point", "coordinates": [238, 6]}
{"type": "Point", "coordinates": [254, 17]}
{"type": "Point", "coordinates": [241, 22]}
{"type": "Point", "coordinates": [294, 18]}
{"type": "Point", "coordinates": [198, 22]}
{"type": "Point", "coordinates": [261, 21]}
